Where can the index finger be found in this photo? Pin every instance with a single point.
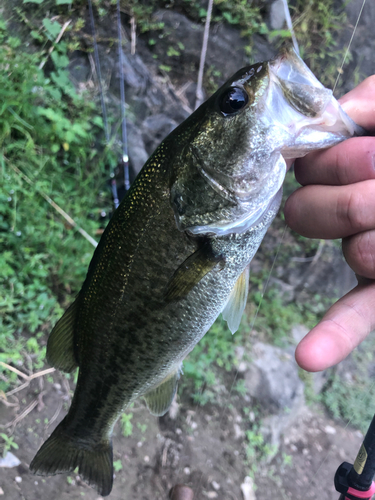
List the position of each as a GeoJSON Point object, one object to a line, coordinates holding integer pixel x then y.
{"type": "Point", "coordinates": [359, 103]}
{"type": "Point", "coordinates": [353, 160]}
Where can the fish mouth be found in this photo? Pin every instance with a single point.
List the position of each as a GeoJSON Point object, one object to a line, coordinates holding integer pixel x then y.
{"type": "Point", "coordinates": [313, 115]}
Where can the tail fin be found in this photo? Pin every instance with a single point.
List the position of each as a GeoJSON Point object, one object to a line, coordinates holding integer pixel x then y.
{"type": "Point", "coordinates": [60, 453]}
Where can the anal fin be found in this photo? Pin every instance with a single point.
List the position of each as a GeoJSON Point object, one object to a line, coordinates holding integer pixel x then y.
{"type": "Point", "coordinates": [160, 398]}
{"type": "Point", "coordinates": [234, 308]}
{"type": "Point", "coordinates": [191, 271]}
{"type": "Point", "coordinates": [60, 345]}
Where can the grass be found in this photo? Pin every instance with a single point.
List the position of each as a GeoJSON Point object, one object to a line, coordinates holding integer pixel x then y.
{"type": "Point", "coordinates": [349, 394]}
{"type": "Point", "coordinates": [46, 133]}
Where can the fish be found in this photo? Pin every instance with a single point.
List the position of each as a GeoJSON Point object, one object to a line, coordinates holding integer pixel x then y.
{"type": "Point", "coordinates": [177, 251]}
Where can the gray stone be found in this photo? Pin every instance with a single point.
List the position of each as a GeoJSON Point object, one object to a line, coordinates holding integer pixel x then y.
{"type": "Point", "coordinates": [277, 15]}
{"type": "Point", "coordinates": [155, 128]}
{"type": "Point", "coordinates": [9, 461]}
{"type": "Point", "coordinates": [273, 379]}
{"type": "Point", "coordinates": [299, 332]}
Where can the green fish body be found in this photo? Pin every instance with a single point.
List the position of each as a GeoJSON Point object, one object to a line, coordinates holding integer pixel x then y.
{"type": "Point", "coordinates": [176, 253]}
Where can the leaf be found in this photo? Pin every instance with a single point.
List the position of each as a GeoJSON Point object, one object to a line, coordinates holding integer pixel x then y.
{"type": "Point", "coordinates": [33, 1]}
{"type": "Point", "coordinates": [64, 2]}
{"type": "Point", "coordinates": [53, 28]}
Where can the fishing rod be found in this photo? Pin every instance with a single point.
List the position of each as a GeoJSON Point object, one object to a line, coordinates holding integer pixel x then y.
{"type": "Point", "coordinates": [124, 141]}
{"type": "Point", "coordinates": [356, 482]}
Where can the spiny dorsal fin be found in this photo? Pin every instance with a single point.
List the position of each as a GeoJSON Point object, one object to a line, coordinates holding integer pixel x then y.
{"type": "Point", "coordinates": [234, 308]}
{"type": "Point", "coordinates": [60, 345]}
{"type": "Point", "coordinates": [190, 272]}
{"type": "Point", "coordinates": [159, 400]}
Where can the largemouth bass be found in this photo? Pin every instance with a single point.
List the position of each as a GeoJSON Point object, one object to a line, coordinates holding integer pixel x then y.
{"type": "Point", "coordinates": [176, 253]}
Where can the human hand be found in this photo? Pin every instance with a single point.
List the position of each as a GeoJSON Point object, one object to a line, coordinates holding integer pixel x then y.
{"type": "Point", "coordinates": [337, 200]}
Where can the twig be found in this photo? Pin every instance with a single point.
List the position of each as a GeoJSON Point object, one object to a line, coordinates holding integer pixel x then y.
{"type": "Point", "coordinates": [133, 35]}
{"type": "Point", "coordinates": [55, 206]}
{"type": "Point", "coordinates": [28, 378]}
{"type": "Point", "coordinates": [14, 370]}
{"type": "Point", "coordinates": [22, 415]}
{"type": "Point", "coordinates": [199, 92]}
{"type": "Point", "coordinates": [51, 49]}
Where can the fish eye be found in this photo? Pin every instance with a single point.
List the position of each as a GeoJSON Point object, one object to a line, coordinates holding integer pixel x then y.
{"type": "Point", "coordinates": [233, 100]}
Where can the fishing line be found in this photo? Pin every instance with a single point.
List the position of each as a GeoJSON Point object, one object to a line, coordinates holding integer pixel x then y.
{"type": "Point", "coordinates": [347, 50]}
{"type": "Point", "coordinates": [290, 26]}
{"type": "Point", "coordinates": [199, 91]}
{"type": "Point", "coordinates": [256, 313]}
{"type": "Point", "coordinates": [196, 488]}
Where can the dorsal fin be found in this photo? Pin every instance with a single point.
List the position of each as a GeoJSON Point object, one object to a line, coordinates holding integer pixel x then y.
{"type": "Point", "coordinates": [160, 398]}
{"type": "Point", "coordinates": [234, 308]}
{"type": "Point", "coordinates": [60, 345]}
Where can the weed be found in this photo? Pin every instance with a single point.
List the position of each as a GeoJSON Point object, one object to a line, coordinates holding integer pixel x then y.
{"type": "Point", "coordinates": [117, 465]}
{"type": "Point", "coordinates": [126, 424]}
{"type": "Point", "coordinates": [142, 427]}
{"type": "Point", "coordinates": [351, 396]}
{"type": "Point", "coordinates": [214, 353]}
{"type": "Point", "coordinates": [8, 443]}
{"type": "Point", "coordinates": [46, 131]}
{"type": "Point", "coordinates": [257, 451]}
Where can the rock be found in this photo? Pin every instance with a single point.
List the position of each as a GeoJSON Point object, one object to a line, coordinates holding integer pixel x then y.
{"type": "Point", "coordinates": [247, 488]}
{"type": "Point", "coordinates": [137, 150]}
{"type": "Point", "coordinates": [155, 128]}
{"type": "Point", "coordinates": [277, 15]}
{"type": "Point", "coordinates": [9, 460]}
{"type": "Point", "coordinates": [216, 486]}
{"type": "Point", "coordinates": [273, 378]}
{"type": "Point", "coordinates": [284, 290]}
{"type": "Point", "coordinates": [299, 332]}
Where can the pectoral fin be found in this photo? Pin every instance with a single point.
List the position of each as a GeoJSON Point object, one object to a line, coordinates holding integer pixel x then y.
{"type": "Point", "coordinates": [159, 400]}
{"type": "Point", "coordinates": [232, 312]}
{"type": "Point", "coordinates": [60, 345]}
{"type": "Point", "coordinates": [190, 272]}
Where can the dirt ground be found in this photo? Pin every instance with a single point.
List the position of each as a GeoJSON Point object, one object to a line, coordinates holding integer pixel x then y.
{"type": "Point", "coordinates": [202, 447]}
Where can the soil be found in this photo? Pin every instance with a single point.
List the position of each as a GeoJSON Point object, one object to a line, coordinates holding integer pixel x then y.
{"type": "Point", "coordinates": [201, 447]}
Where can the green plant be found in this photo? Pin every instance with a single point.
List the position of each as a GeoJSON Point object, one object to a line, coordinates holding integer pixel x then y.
{"type": "Point", "coordinates": [351, 398]}
{"type": "Point", "coordinates": [46, 133]}
{"type": "Point", "coordinates": [214, 354]}
{"type": "Point", "coordinates": [8, 443]}
{"type": "Point", "coordinates": [126, 424]}
{"type": "Point", "coordinates": [117, 465]}
{"type": "Point", "coordinates": [257, 451]}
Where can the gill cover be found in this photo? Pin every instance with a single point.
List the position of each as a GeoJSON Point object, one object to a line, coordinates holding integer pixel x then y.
{"type": "Point", "coordinates": [234, 165]}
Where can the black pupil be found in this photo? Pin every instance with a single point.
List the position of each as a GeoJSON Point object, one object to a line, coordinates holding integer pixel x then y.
{"type": "Point", "coordinates": [233, 100]}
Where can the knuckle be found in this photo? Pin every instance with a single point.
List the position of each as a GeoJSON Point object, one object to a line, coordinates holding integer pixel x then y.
{"type": "Point", "coordinates": [365, 252]}
{"type": "Point", "coordinates": [353, 210]}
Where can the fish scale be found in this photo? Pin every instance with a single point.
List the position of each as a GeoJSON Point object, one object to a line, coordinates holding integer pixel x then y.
{"type": "Point", "coordinates": [176, 253]}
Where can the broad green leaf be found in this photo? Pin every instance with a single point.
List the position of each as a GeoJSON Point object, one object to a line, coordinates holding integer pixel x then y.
{"type": "Point", "coordinates": [33, 1]}
{"type": "Point", "coordinates": [64, 2]}
{"type": "Point", "coordinates": [53, 28]}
